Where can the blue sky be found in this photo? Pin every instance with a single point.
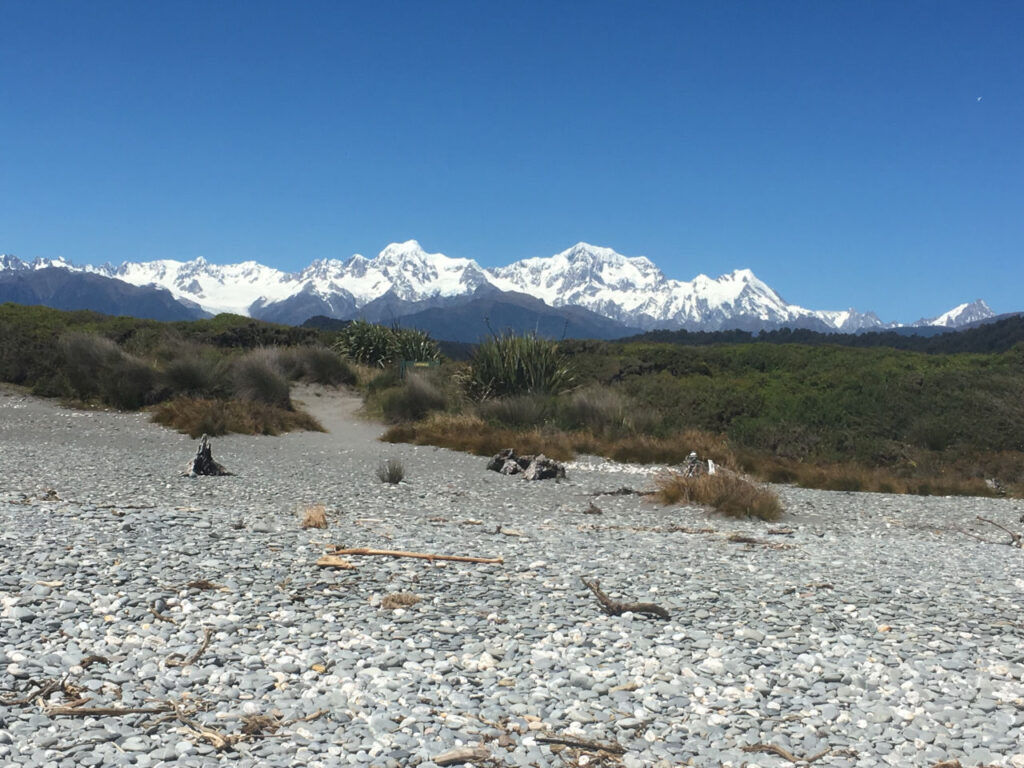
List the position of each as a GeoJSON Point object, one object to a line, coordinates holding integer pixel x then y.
{"type": "Point", "coordinates": [866, 154]}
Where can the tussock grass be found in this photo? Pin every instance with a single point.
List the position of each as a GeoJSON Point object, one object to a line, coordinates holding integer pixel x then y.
{"type": "Point", "coordinates": [410, 402]}
{"type": "Point", "coordinates": [727, 492]}
{"type": "Point", "coordinates": [391, 471]}
{"type": "Point", "coordinates": [399, 600]}
{"type": "Point", "coordinates": [258, 376]}
{"type": "Point", "coordinates": [198, 416]}
{"type": "Point", "coordinates": [314, 517]}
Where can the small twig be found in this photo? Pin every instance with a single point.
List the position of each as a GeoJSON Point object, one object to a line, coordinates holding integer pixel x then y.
{"type": "Point", "coordinates": [420, 555]}
{"type": "Point", "coordinates": [580, 743]}
{"type": "Point", "coordinates": [177, 660]}
{"type": "Point", "coordinates": [784, 753]}
{"type": "Point", "coordinates": [613, 608]}
{"type": "Point", "coordinates": [161, 616]}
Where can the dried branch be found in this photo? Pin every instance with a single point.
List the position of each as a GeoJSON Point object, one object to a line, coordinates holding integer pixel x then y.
{"type": "Point", "coordinates": [578, 742]}
{"type": "Point", "coordinates": [775, 749]}
{"type": "Point", "coordinates": [614, 608]}
{"type": "Point", "coordinates": [1015, 538]}
{"type": "Point", "coordinates": [420, 555]}
{"type": "Point", "coordinates": [106, 711]}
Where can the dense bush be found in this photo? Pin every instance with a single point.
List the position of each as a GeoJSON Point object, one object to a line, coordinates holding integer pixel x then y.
{"type": "Point", "coordinates": [378, 345]}
{"type": "Point", "coordinates": [508, 364]}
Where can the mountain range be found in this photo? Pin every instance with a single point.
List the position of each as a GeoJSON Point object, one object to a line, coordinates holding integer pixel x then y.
{"type": "Point", "coordinates": [585, 291]}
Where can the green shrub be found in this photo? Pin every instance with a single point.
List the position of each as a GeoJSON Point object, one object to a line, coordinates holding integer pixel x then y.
{"type": "Point", "coordinates": [411, 401]}
{"type": "Point", "coordinates": [257, 376]}
{"type": "Point", "coordinates": [88, 359]}
{"type": "Point", "coordinates": [508, 364]}
{"type": "Point", "coordinates": [413, 344]}
{"type": "Point", "coordinates": [367, 343]}
{"type": "Point", "coordinates": [129, 384]}
{"type": "Point", "coordinates": [517, 412]}
{"type": "Point", "coordinates": [322, 366]}
{"type": "Point", "coordinates": [598, 409]}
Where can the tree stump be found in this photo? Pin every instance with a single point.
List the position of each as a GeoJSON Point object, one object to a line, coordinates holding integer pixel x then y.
{"type": "Point", "coordinates": [203, 463]}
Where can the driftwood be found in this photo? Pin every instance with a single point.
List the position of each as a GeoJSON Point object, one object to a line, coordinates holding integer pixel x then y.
{"type": "Point", "coordinates": [106, 711]}
{"type": "Point", "coordinates": [1015, 538]}
{"type": "Point", "coordinates": [420, 555]}
{"type": "Point", "coordinates": [333, 561]}
{"type": "Point", "coordinates": [775, 749]}
{"type": "Point", "coordinates": [203, 463]}
{"type": "Point", "coordinates": [589, 745]}
{"type": "Point", "coordinates": [613, 608]}
{"type": "Point", "coordinates": [462, 755]}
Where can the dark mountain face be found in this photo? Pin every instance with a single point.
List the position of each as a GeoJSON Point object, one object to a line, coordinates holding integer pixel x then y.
{"type": "Point", "coordinates": [61, 289]}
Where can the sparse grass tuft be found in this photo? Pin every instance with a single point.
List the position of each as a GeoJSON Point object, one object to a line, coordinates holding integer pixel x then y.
{"type": "Point", "coordinates": [727, 492]}
{"type": "Point", "coordinates": [391, 471]}
{"type": "Point", "coordinates": [399, 600]}
{"type": "Point", "coordinates": [314, 517]}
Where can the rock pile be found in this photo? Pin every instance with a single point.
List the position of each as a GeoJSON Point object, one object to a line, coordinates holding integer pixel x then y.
{"type": "Point", "coordinates": [531, 467]}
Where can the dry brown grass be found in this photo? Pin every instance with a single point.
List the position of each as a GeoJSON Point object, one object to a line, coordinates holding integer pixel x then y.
{"type": "Point", "coordinates": [930, 477]}
{"type": "Point", "coordinates": [399, 600]}
{"type": "Point", "coordinates": [472, 434]}
{"type": "Point", "coordinates": [314, 517]}
{"type": "Point", "coordinates": [198, 416]}
{"type": "Point", "coordinates": [727, 492]}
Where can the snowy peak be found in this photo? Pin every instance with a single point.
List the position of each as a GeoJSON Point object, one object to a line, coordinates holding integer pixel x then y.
{"type": "Point", "coordinates": [629, 290]}
{"type": "Point", "coordinates": [960, 315]}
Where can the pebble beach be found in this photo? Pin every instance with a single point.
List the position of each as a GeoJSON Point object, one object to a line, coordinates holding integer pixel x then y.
{"type": "Point", "coordinates": [187, 621]}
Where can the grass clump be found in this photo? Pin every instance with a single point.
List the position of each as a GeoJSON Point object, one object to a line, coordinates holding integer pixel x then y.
{"type": "Point", "coordinates": [314, 517]}
{"type": "Point", "coordinates": [410, 401]}
{"type": "Point", "coordinates": [728, 493]}
{"type": "Point", "coordinates": [399, 600]}
{"type": "Point", "coordinates": [391, 471]}
{"type": "Point", "coordinates": [258, 376]}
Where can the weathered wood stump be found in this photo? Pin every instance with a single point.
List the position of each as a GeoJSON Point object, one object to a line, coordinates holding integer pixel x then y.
{"type": "Point", "coordinates": [203, 463]}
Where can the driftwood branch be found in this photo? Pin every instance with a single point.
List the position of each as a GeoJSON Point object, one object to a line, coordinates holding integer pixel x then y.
{"type": "Point", "coordinates": [614, 608]}
{"type": "Point", "coordinates": [333, 561]}
{"type": "Point", "coordinates": [462, 755]}
{"type": "Point", "coordinates": [578, 742]}
{"type": "Point", "coordinates": [38, 690]}
{"type": "Point", "coordinates": [1015, 538]}
{"type": "Point", "coordinates": [420, 555]}
{"type": "Point", "coordinates": [106, 711]}
{"type": "Point", "coordinates": [775, 749]}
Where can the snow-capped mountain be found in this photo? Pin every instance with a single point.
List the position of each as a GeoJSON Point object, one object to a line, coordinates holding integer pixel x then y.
{"type": "Point", "coordinates": [960, 315]}
{"type": "Point", "coordinates": [404, 279]}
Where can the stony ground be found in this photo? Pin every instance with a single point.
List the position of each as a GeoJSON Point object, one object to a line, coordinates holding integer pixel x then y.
{"type": "Point", "coordinates": [876, 631]}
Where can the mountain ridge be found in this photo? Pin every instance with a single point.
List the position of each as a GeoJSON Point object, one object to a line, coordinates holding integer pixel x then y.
{"type": "Point", "coordinates": [405, 279]}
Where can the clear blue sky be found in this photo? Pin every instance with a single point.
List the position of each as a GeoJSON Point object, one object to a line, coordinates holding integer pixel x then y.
{"type": "Point", "coordinates": [866, 154]}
